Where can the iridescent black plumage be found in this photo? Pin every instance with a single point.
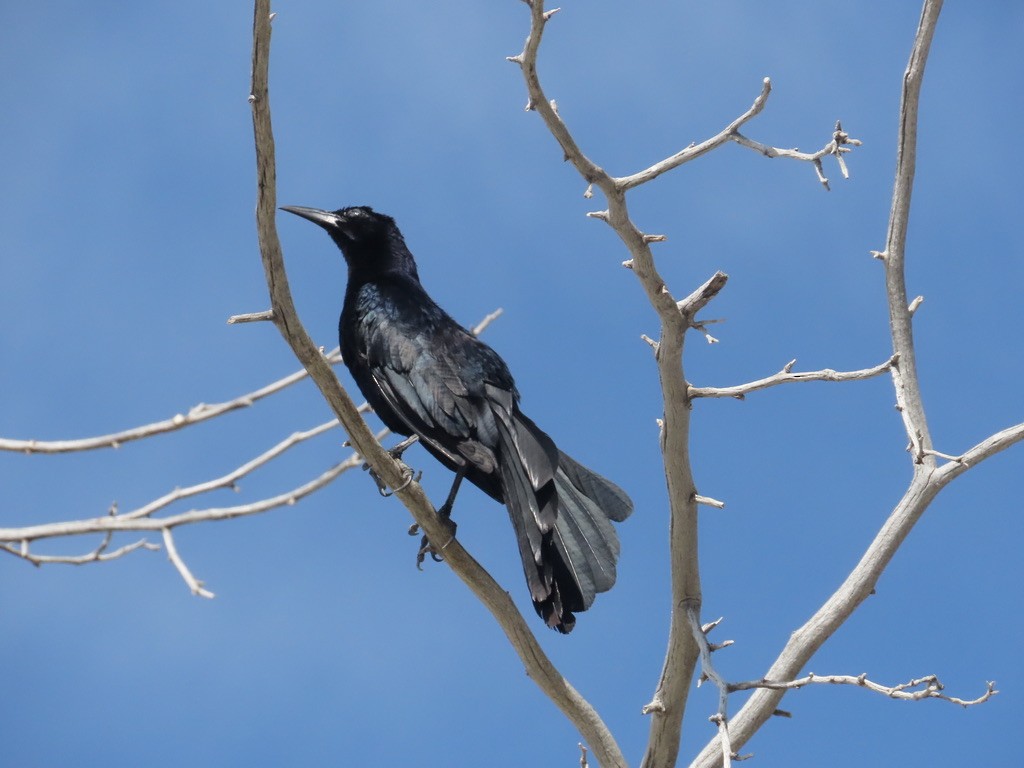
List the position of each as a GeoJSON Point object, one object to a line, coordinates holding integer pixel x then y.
{"type": "Point", "coordinates": [425, 374]}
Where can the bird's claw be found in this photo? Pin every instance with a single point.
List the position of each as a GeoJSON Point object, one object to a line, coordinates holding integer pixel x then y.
{"type": "Point", "coordinates": [426, 548]}
{"type": "Point", "coordinates": [395, 453]}
{"type": "Point", "coordinates": [382, 487]}
{"type": "Point", "coordinates": [410, 476]}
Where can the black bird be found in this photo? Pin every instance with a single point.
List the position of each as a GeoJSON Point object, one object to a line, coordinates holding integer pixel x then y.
{"type": "Point", "coordinates": [425, 374]}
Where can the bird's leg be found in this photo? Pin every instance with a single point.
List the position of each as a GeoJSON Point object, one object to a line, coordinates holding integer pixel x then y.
{"type": "Point", "coordinates": [396, 453]}
{"type": "Point", "coordinates": [444, 512]}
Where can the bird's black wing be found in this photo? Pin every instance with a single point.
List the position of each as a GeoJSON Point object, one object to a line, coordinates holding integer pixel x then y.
{"type": "Point", "coordinates": [434, 375]}
{"type": "Point", "coordinates": [457, 394]}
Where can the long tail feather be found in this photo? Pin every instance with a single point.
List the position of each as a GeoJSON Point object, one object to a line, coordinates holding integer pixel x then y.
{"type": "Point", "coordinates": [561, 513]}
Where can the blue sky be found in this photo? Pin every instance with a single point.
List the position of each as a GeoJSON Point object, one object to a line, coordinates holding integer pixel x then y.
{"type": "Point", "coordinates": [127, 239]}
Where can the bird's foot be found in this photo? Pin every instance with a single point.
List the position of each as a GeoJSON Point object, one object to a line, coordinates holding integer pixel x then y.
{"type": "Point", "coordinates": [426, 548]}
{"type": "Point", "coordinates": [396, 453]}
{"type": "Point", "coordinates": [382, 487]}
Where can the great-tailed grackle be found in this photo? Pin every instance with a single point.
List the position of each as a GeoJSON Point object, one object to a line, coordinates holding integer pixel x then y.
{"type": "Point", "coordinates": [425, 374]}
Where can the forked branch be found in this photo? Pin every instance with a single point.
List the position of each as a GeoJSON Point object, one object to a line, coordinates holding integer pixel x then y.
{"type": "Point", "coordinates": [927, 481]}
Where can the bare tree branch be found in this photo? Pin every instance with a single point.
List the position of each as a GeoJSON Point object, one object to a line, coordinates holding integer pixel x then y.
{"type": "Point", "coordinates": [497, 600]}
{"type": "Point", "coordinates": [193, 583]}
{"type": "Point", "coordinates": [708, 672]}
{"type": "Point", "coordinates": [987, 448]}
{"type": "Point", "coordinates": [195, 415]}
{"type": "Point", "coordinates": [692, 152]}
{"type": "Point", "coordinates": [251, 317]}
{"type": "Point", "coordinates": [231, 479]}
{"type": "Point", "coordinates": [702, 296]}
{"type": "Point", "coordinates": [669, 702]}
{"type": "Point", "coordinates": [836, 147]}
{"type": "Point", "coordinates": [17, 541]}
{"type": "Point", "coordinates": [687, 638]}
{"type": "Point", "coordinates": [487, 320]}
{"type": "Point", "coordinates": [927, 481]}
{"type": "Point", "coordinates": [98, 555]}
{"type": "Point", "coordinates": [905, 379]}
{"type": "Point", "coordinates": [927, 687]}
{"type": "Point", "coordinates": [786, 376]}
{"type": "Point", "coordinates": [115, 522]}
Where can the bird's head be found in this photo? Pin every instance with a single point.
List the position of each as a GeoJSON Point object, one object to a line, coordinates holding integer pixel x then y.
{"type": "Point", "coordinates": [369, 240]}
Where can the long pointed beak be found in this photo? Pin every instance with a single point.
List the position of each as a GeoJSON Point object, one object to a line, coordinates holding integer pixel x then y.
{"type": "Point", "coordinates": [325, 219]}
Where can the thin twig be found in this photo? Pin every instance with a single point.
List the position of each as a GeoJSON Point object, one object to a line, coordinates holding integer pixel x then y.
{"type": "Point", "coordinates": [986, 449]}
{"type": "Point", "coordinates": [786, 376]}
{"type": "Point", "coordinates": [252, 317]}
{"type": "Point", "coordinates": [707, 501]}
{"type": "Point", "coordinates": [837, 147]}
{"type": "Point", "coordinates": [694, 151]}
{"type": "Point", "coordinates": [708, 671]}
{"type": "Point", "coordinates": [98, 555]}
{"type": "Point", "coordinates": [231, 479]}
{"type": "Point", "coordinates": [24, 536]}
{"type": "Point", "coordinates": [487, 320]}
{"type": "Point", "coordinates": [927, 687]}
{"type": "Point", "coordinates": [109, 523]}
{"type": "Point", "coordinates": [195, 415]}
{"type": "Point", "coordinates": [193, 583]}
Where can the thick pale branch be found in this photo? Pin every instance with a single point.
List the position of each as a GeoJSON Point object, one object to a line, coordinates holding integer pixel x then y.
{"type": "Point", "coordinates": [927, 480]}
{"type": "Point", "coordinates": [669, 702]}
{"type": "Point", "coordinates": [527, 61]}
{"type": "Point", "coordinates": [905, 378]}
{"type": "Point", "coordinates": [786, 376]}
{"type": "Point", "coordinates": [195, 415]}
{"type": "Point", "coordinates": [497, 600]}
